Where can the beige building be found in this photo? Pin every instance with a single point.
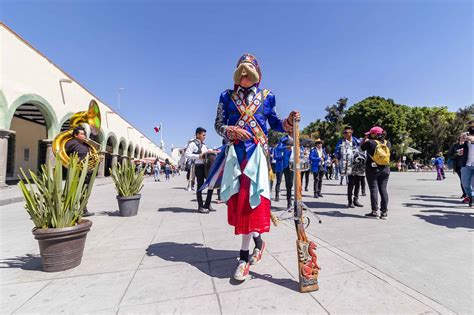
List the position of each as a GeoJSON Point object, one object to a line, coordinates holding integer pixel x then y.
{"type": "Point", "coordinates": [37, 99]}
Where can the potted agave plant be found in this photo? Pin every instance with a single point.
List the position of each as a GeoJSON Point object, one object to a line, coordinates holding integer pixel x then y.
{"type": "Point", "coordinates": [56, 208]}
{"type": "Point", "coordinates": [128, 183]}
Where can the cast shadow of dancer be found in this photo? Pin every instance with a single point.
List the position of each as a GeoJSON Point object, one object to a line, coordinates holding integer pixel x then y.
{"type": "Point", "coordinates": [449, 219]}
{"type": "Point", "coordinates": [222, 268]}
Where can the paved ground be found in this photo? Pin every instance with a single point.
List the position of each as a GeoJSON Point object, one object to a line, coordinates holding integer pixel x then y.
{"type": "Point", "coordinates": [170, 259]}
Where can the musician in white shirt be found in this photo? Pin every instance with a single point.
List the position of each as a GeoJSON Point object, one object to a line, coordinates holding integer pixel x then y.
{"type": "Point", "coordinates": [197, 151]}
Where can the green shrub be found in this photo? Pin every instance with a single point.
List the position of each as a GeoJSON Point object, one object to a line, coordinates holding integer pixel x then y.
{"type": "Point", "coordinates": [127, 181]}
{"type": "Point", "coordinates": [52, 203]}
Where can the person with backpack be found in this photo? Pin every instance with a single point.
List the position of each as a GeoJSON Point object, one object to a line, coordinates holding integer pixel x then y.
{"type": "Point", "coordinates": [377, 169]}
{"type": "Point", "coordinates": [197, 151]}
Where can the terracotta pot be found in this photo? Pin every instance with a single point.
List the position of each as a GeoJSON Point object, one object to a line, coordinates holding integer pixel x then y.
{"type": "Point", "coordinates": [62, 248]}
{"type": "Point", "coordinates": [128, 206]}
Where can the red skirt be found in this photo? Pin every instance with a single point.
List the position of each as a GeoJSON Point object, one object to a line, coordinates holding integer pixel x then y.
{"type": "Point", "coordinates": [244, 218]}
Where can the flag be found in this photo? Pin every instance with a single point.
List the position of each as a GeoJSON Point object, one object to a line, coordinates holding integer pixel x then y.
{"type": "Point", "coordinates": [157, 129]}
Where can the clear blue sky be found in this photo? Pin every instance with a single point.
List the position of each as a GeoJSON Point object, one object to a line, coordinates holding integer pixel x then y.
{"type": "Point", "coordinates": [175, 57]}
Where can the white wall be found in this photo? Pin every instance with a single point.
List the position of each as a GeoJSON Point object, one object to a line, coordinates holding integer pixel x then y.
{"type": "Point", "coordinates": [27, 136]}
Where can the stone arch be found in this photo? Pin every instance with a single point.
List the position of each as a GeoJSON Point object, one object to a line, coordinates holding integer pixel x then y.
{"type": "Point", "coordinates": [142, 152]}
{"type": "Point", "coordinates": [136, 153]}
{"type": "Point", "coordinates": [65, 121]}
{"type": "Point", "coordinates": [130, 149]}
{"type": "Point", "coordinates": [110, 148]}
{"type": "Point", "coordinates": [122, 147]}
{"type": "Point", "coordinates": [44, 107]}
{"type": "Point", "coordinates": [111, 135]}
{"type": "Point", "coordinates": [99, 138]}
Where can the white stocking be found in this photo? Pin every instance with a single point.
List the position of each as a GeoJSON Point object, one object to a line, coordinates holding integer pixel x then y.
{"type": "Point", "coordinates": [246, 241]}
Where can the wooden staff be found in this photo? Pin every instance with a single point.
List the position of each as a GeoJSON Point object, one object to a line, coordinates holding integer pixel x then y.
{"type": "Point", "coordinates": [308, 268]}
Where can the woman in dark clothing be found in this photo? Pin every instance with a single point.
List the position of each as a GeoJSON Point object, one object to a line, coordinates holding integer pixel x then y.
{"type": "Point", "coordinates": [377, 174]}
{"type": "Point", "coordinates": [455, 155]}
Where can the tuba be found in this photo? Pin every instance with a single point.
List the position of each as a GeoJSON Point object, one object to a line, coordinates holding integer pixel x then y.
{"type": "Point", "coordinates": [90, 117]}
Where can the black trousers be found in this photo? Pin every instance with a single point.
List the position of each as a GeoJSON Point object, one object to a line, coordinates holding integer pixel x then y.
{"type": "Point", "coordinates": [377, 178]}
{"type": "Point", "coordinates": [200, 172]}
{"type": "Point", "coordinates": [362, 184]}
{"type": "Point", "coordinates": [458, 171]}
{"type": "Point", "coordinates": [353, 187]}
{"type": "Point", "coordinates": [288, 182]}
{"type": "Point", "coordinates": [329, 172]}
{"type": "Point", "coordinates": [318, 181]}
{"type": "Point", "coordinates": [87, 181]}
{"type": "Point", "coordinates": [305, 176]}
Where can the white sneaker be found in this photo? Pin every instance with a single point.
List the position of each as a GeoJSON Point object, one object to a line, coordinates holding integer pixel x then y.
{"type": "Point", "coordinates": [242, 271]}
{"type": "Point", "coordinates": [257, 254]}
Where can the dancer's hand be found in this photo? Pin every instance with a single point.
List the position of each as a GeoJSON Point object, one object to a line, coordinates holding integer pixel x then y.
{"type": "Point", "coordinates": [294, 115]}
{"type": "Point", "coordinates": [234, 132]}
{"type": "Point", "coordinates": [288, 123]}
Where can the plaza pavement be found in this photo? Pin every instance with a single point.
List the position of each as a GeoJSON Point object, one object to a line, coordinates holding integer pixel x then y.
{"type": "Point", "coordinates": [170, 259]}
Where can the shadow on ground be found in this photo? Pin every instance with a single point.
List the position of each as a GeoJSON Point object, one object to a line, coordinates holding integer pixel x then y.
{"type": "Point", "coordinates": [455, 201]}
{"type": "Point", "coordinates": [424, 205]}
{"type": "Point", "coordinates": [178, 210]}
{"type": "Point", "coordinates": [28, 262]}
{"type": "Point", "coordinates": [219, 268]}
{"type": "Point", "coordinates": [339, 214]}
{"type": "Point", "coordinates": [115, 213]}
{"type": "Point", "coordinates": [324, 205]}
{"type": "Point", "coordinates": [449, 219]}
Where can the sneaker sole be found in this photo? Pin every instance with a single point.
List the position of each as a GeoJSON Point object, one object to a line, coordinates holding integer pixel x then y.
{"type": "Point", "coordinates": [241, 278]}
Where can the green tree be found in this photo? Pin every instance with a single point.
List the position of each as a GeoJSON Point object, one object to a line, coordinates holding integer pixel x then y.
{"type": "Point", "coordinates": [378, 111]}
{"type": "Point", "coordinates": [274, 137]}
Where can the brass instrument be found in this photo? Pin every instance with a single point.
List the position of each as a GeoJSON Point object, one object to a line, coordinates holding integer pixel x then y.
{"type": "Point", "coordinates": [90, 117]}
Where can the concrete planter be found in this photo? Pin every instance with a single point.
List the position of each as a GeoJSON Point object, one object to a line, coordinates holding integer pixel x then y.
{"type": "Point", "coordinates": [128, 206]}
{"type": "Point", "coordinates": [62, 249]}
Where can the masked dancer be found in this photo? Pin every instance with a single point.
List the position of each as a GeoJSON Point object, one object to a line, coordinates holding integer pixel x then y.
{"type": "Point", "coordinates": [242, 168]}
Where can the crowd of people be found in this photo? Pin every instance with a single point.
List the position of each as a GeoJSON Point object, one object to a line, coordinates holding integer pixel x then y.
{"type": "Point", "coordinates": [156, 168]}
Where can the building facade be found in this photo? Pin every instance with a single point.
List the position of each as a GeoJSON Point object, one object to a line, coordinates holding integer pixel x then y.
{"type": "Point", "coordinates": [37, 99]}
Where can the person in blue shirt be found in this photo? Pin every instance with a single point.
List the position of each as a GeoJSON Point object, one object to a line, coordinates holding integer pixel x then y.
{"type": "Point", "coordinates": [282, 155]}
{"type": "Point", "coordinates": [439, 164]}
{"type": "Point", "coordinates": [317, 159]}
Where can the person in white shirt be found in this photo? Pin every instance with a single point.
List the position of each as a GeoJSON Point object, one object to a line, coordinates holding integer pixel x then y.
{"type": "Point", "coordinates": [197, 151]}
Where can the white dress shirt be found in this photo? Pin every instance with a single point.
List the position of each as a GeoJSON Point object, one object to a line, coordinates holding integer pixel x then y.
{"type": "Point", "coordinates": [250, 96]}
{"type": "Point", "coordinates": [192, 147]}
